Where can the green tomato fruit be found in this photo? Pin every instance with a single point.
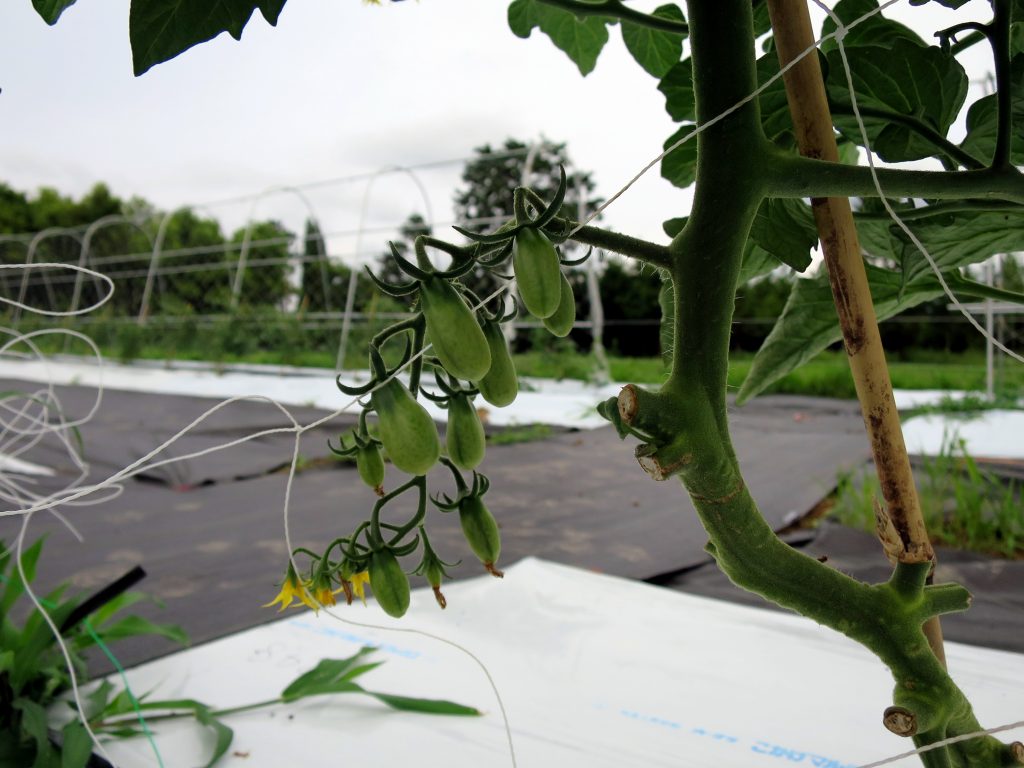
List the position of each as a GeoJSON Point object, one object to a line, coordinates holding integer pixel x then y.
{"type": "Point", "coordinates": [538, 272]}
{"type": "Point", "coordinates": [501, 385]}
{"type": "Point", "coordinates": [370, 464]}
{"type": "Point", "coordinates": [562, 321]}
{"type": "Point", "coordinates": [481, 530]}
{"type": "Point", "coordinates": [464, 438]}
{"type": "Point", "coordinates": [389, 583]}
{"type": "Point", "coordinates": [406, 429]}
{"type": "Point", "coordinates": [456, 336]}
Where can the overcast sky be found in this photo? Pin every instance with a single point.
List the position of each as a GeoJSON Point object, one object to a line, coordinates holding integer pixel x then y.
{"type": "Point", "coordinates": [337, 89]}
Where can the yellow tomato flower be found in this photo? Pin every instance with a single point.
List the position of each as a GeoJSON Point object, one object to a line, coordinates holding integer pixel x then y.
{"type": "Point", "coordinates": [291, 590]}
{"type": "Point", "coordinates": [359, 582]}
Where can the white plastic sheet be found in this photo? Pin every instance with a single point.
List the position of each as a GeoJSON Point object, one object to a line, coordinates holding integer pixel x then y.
{"type": "Point", "coordinates": [594, 670]}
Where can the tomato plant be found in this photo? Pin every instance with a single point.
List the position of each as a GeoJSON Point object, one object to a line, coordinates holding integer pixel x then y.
{"type": "Point", "coordinates": [756, 147]}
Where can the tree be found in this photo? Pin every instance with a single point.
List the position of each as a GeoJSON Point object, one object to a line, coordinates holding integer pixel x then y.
{"type": "Point", "coordinates": [492, 177]}
{"type": "Point", "coordinates": [630, 296]}
{"type": "Point", "coordinates": [387, 268]}
{"type": "Point", "coordinates": [757, 155]}
{"type": "Point", "coordinates": [265, 275]}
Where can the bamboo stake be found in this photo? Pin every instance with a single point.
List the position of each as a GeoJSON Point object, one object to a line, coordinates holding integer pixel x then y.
{"type": "Point", "coordinates": [901, 526]}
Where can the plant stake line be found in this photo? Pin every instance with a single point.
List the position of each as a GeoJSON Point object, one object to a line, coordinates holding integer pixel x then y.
{"type": "Point", "coordinates": [59, 265]}
{"type": "Point", "coordinates": [808, 104]}
{"type": "Point", "coordinates": [350, 295]}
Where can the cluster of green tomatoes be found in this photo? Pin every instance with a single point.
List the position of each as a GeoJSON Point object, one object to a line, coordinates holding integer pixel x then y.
{"type": "Point", "coordinates": [468, 356]}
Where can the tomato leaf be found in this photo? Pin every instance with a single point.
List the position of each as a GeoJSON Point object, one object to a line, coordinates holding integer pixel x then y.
{"type": "Point", "coordinates": [680, 165]}
{"type": "Point", "coordinates": [161, 29]}
{"type": "Point", "coordinates": [51, 10]}
{"type": "Point", "coordinates": [905, 79]}
{"type": "Point", "coordinates": [785, 229]}
{"type": "Point", "coordinates": [580, 38]}
{"type": "Point", "coordinates": [655, 50]}
{"type": "Point", "coordinates": [677, 85]}
{"type": "Point", "coordinates": [870, 30]}
{"type": "Point", "coordinates": [982, 117]}
{"type": "Point", "coordinates": [808, 323]}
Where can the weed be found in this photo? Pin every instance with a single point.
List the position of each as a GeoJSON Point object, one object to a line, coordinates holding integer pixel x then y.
{"type": "Point", "coordinates": [965, 506]}
{"type": "Point", "coordinates": [527, 433]}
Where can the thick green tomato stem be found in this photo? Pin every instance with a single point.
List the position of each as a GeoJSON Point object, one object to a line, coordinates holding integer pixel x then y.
{"type": "Point", "coordinates": [619, 10]}
{"type": "Point", "coordinates": [421, 512]}
{"type": "Point", "coordinates": [642, 250]}
{"type": "Point", "coordinates": [687, 419]}
{"type": "Point", "coordinates": [788, 175]}
{"type": "Point", "coordinates": [999, 37]}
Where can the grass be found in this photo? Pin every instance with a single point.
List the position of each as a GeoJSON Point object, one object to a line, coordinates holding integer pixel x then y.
{"type": "Point", "coordinates": [964, 505]}
{"type": "Point", "coordinates": [259, 340]}
{"type": "Point", "coordinates": [527, 433]}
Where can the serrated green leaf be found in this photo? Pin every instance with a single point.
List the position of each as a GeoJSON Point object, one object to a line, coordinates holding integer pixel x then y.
{"type": "Point", "coordinates": [673, 227]}
{"type": "Point", "coordinates": [580, 38]}
{"type": "Point", "coordinates": [1016, 38]}
{"type": "Point", "coordinates": [849, 153]}
{"type": "Point", "coordinates": [947, 3]}
{"type": "Point", "coordinates": [51, 10]}
{"type": "Point", "coordinates": [677, 85]}
{"type": "Point", "coordinates": [775, 117]}
{"type": "Point", "coordinates": [76, 746]}
{"type": "Point", "coordinates": [982, 117]}
{"type": "Point", "coordinates": [906, 79]}
{"type": "Point", "coordinates": [756, 262]}
{"type": "Point", "coordinates": [655, 50]}
{"type": "Point", "coordinates": [785, 229]}
{"type": "Point", "coordinates": [680, 165]}
{"type": "Point", "coordinates": [523, 17]}
{"type": "Point", "coordinates": [953, 240]}
{"type": "Point", "coordinates": [762, 21]}
{"type": "Point", "coordinates": [808, 323]}
{"type": "Point", "coordinates": [161, 29]}
{"type": "Point", "coordinates": [875, 30]}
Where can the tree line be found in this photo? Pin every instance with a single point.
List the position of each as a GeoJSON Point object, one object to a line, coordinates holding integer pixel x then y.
{"type": "Point", "coordinates": [288, 274]}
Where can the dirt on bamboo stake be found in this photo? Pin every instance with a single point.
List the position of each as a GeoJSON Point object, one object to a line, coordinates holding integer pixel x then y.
{"type": "Point", "coordinates": [812, 121]}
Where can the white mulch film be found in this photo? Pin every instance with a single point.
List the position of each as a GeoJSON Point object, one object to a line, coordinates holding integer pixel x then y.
{"type": "Point", "coordinates": [567, 403]}
{"type": "Point", "coordinates": [594, 670]}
